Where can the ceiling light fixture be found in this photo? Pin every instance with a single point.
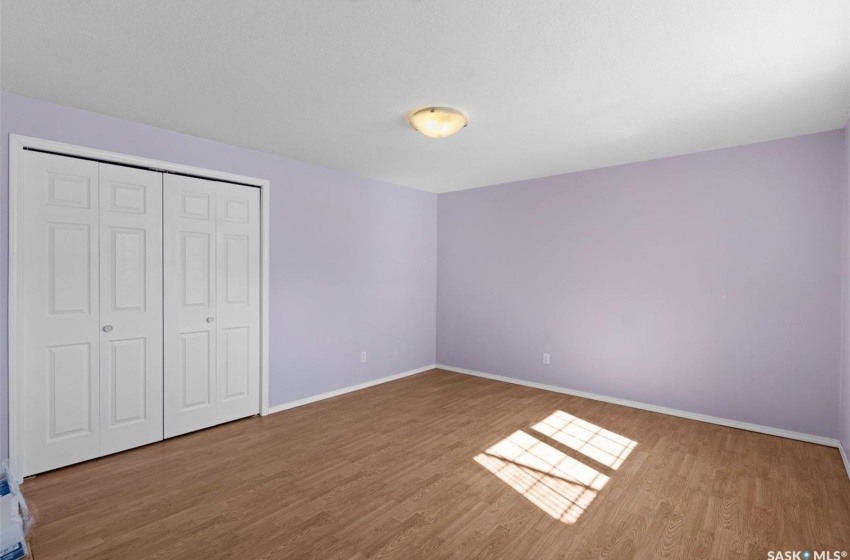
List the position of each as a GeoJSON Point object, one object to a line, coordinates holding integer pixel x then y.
{"type": "Point", "coordinates": [437, 122]}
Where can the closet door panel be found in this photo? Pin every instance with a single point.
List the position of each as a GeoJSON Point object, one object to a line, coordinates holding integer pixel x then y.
{"type": "Point", "coordinates": [238, 301]}
{"type": "Point", "coordinates": [130, 307]}
{"type": "Point", "coordinates": [60, 311]}
{"type": "Point", "coordinates": [189, 259]}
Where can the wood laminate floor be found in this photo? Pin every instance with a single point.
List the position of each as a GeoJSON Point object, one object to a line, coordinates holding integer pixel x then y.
{"type": "Point", "coordinates": [443, 465]}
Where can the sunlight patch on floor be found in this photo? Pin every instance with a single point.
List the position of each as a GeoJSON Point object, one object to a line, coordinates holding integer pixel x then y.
{"type": "Point", "coordinates": [599, 444]}
{"type": "Point", "coordinates": [556, 483]}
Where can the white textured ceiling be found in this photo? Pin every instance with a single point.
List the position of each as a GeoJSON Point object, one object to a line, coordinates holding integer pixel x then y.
{"type": "Point", "coordinates": [550, 86]}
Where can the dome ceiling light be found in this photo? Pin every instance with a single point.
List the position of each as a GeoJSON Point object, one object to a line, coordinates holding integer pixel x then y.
{"type": "Point", "coordinates": [437, 122]}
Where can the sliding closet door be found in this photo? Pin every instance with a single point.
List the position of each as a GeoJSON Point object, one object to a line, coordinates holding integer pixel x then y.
{"type": "Point", "coordinates": [238, 301]}
{"type": "Point", "coordinates": [60, 311]}
{"type": "Point", "coordinates": [189, 260]}
{"type": "Point", "coordinates": [212, 303]}
{"type": "Point", "coordinates": [130, 307]}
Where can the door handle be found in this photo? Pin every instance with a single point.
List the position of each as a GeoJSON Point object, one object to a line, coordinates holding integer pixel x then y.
{"type": "Point", "coordinates": [107, 328]}
{"type": "Point", "coordinates": [210, 319]}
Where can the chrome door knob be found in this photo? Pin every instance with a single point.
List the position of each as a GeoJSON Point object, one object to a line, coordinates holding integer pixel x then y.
{"type": "Point", "coordinates": [210, 319]}
{"type": "Point", "coordinates": [107, 328]}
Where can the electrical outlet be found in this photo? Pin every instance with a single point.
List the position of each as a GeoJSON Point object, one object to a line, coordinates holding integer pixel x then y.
{"type": "Point", "coordinates": [363, 357]}
{"type": "Point", "coordinates": [546, 360]}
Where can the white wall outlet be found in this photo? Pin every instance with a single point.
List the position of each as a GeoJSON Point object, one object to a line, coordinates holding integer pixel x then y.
{"type": "Point", "coordinates": [546, 360]}
{"type": "Point", "coordinates": [363, 357]}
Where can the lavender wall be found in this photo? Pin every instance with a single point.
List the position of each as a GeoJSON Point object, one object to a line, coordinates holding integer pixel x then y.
{"type": "Point", "coordinates": [352, 260]}
{"type": "Point", "coordinates": [709, 283]}
{"type": "Point", "coordinates": [844, 414]}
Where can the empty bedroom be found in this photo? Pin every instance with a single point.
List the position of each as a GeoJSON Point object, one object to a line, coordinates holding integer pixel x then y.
{"type": "Point", "coordinates": [361, 279]}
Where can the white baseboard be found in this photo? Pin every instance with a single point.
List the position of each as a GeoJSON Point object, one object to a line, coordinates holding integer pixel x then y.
{"type": "Point", "coordinates": [660, 409]}
{"type": "Point", "coordinates": [844, 458]}
{"type": "Point", "coordinates": [344, 390]}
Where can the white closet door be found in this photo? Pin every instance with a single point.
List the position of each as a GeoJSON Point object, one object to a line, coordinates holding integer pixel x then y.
{"type": "Point", "coordinates": [130, 307]}
{"type": "Point", "coordinates": [189, 261]}
{"type": "Point", "coordinates": [238, 301]}
{"type": "Point", "coordinates": [61, 380]}
{"type": "Point", "coordinates": [212, 303]}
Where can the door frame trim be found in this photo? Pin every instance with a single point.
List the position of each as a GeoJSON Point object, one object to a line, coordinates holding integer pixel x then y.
{"type": "Point", "coordinates": [17, 145]}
